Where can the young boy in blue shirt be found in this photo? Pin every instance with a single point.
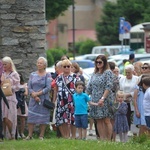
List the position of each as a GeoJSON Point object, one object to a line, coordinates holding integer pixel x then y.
{"type": "Point", "coordinates": [81, 107]}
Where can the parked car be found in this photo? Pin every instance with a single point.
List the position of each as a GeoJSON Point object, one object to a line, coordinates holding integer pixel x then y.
{"type": "Point", "coordinates": [118, 59]}
{"type": "Point", "coordinates": [88, 71]}
{"type": "Point", "coordinates": [110, 49]}
{"type": "Point", "coordinates": [87, 57]}
{"type": "Point", "coordinates": [84, 63]}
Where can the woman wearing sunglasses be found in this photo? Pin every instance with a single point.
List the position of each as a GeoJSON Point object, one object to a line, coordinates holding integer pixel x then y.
{"type": "Point", "coordinates": [100, 89]}
{"type": "Point", "coordinates": [65, 107]}
{"type": "Point", "coordinates": [146, 68]}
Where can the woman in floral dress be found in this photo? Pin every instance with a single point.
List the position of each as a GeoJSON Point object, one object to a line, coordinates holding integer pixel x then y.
{"type": "Point", "coordinates": [39, 87]}
{"type": "Point", "coordinates": [100, 89]}
{"type": "Point", "coordinates": [10, 115]}
{"type": "Point", "coordinates": [65, 107]}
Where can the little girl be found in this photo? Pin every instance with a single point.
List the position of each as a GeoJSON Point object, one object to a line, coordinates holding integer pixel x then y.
{"type": "Point", "coordinates": [121, 124]}
{"type": "Point", "coordinates": [21, 116]}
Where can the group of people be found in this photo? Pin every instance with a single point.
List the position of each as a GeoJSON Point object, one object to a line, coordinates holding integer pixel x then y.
{"type": "Point", "coordinates": [38, 88]}
{"type": "Point", "coordinates": [71, 95]}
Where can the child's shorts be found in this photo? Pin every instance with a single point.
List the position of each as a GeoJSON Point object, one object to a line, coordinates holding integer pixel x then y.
{"type": "Point", "coordinates": [81, 121]}
{"type": "Point", "coordinates": [147, 119]}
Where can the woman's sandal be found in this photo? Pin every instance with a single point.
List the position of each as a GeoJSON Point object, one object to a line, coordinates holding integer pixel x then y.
{"type": "Point", "coordinates": [28, 138]}
{"type": "Point", "coordinates": [41, 138]}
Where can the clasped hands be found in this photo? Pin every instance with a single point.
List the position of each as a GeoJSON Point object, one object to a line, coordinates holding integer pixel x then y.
{"type": "Point", "coordinates": [101, 103]}
{"type": "Point", "coordinates": [35, 95]}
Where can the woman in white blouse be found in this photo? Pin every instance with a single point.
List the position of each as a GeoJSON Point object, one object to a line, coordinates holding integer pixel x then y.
{"type": "Point", "coordinates": [127, 84]}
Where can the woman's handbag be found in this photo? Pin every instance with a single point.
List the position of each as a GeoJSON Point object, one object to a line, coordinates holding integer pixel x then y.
{"type": "Point", "coordinates": [48, 104]}
{"type": "Point", "coordinates": [6, 88]}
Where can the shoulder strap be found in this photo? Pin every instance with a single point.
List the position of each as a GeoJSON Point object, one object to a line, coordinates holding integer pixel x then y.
{"type": "Point", "coordinates": [66, 85]}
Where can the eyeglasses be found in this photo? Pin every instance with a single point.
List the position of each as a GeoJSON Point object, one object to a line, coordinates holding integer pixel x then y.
{"type": "Point", "coordinates": [98, 62]}
{"type": "Point", "coordinates": [144, 67]}
{"type": "Point", "coordinates": [66, 66]}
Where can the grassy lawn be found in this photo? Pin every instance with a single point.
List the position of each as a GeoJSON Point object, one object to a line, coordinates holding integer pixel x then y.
{"type": "Point", "coordinates": [66, 144]}
{"type": "Point", "coordinates": [50, 142]}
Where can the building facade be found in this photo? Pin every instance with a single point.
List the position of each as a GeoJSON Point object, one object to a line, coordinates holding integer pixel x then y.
{"type": "Point", "coordinates": [86, 14]}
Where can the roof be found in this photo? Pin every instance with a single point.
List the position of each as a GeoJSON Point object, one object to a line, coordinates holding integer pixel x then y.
{"type": "Point", "coordinates": [139, 27]}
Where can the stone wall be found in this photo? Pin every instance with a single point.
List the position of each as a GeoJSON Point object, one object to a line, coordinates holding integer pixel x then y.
{"type": "Point", "coordinates": [22, 32]}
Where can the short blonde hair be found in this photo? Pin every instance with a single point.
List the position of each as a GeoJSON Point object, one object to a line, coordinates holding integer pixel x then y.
{"type": "Point", "coordinates": [120, 93]}
{"type": "Point", "coordinates": [7, 59]}
{"type": "Point", "coordinates": [66, 62]}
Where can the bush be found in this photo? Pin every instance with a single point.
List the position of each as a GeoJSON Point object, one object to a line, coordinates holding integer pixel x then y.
{"type": "Point", "coordinates": [78, 45]}
{"type": "Point", "coordinates": [55, 54]}
{"type": "Point", "coordinates": [50, 58]}
{"type": "Point", "coordinates": [86, 47]}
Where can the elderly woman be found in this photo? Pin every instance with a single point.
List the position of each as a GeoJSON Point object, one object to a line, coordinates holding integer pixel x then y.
{"type": "Point", "coordinates": [65, 107]}
{"type": "Point", "coordinates": [10, 115]}
{"type": "Point", "coordinates": [39, 87]}
{"type": "Point", "coordinates": [127, 84]}
{"type": "Point", "coordinates": [100, 89]}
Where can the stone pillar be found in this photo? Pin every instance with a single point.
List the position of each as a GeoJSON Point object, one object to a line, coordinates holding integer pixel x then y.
{"type": "Point", "coordinates": [22, 32]}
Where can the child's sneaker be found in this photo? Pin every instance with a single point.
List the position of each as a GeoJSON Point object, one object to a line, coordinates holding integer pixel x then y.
{"type": "Point", "coordinates": [90, 133]}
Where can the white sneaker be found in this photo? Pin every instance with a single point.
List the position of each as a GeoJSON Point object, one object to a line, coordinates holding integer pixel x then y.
{"type": "Point", "coordinates": [90, 132]}
{"type": "Point", "coordinates": [19, 137]}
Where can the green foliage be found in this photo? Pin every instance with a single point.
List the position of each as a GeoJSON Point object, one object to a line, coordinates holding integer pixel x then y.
{"type": "Point", "coordinates": [134, 11]}
{"type": "Point", "coordinates": [86, 47]}
{"type": "Point", "coordinates": [140, 139]}
{"type": "Point", "coordinates": [56, 7]}
{"type": "Point", "coordinates": [55, 54]}
{"type": "Point", "coordinates": [78, 45]}
{"type": "Point", "coordinates": [50, 58]}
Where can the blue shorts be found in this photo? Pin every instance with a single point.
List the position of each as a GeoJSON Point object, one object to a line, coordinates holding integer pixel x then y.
{"type": "Point", "coordinates": [147, 119]}
{"type": "Point", "coordinates": [81, 121]}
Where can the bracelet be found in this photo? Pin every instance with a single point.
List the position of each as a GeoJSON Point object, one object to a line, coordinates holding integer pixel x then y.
{"type": "Point", "coordinates": [103, 98]}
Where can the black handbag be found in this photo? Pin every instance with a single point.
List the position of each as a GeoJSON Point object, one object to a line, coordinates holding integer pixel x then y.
{"type": "Point", "coordinates": [48, 104]}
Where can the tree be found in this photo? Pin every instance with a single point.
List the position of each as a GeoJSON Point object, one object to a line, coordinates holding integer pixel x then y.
{"type": "Point", "coordinates": [134, 11]}
{"type": "Point", "coordinates": [87, 46]}
{"type": "Point", "coordinates": [56, 7]}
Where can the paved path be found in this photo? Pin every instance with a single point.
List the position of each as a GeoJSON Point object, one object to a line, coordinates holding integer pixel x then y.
{"type": "Point", "coordinates": [134, 130]}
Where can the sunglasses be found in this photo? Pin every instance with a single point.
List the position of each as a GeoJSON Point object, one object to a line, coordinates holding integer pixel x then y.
{"type": "Point", "coordinates": [98, 62]}
{"type": "Point", "coordinates": [144, 67]}
{"type": "Point", "coordinates": [66, 66]}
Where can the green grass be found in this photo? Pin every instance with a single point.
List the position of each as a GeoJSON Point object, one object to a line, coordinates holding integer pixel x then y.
{"type": "Point", "coordinates": [66, 144]}
{"type": "Point", "coordinates": [50, 142]}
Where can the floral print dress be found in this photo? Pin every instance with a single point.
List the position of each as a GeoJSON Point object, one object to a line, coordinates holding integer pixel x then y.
{"type": "Point", "coordinates": [96, 87]}
{"type": "Point", "coordinates": [121, 123]}
{"type": "Point", "coordinates": [65, 105]}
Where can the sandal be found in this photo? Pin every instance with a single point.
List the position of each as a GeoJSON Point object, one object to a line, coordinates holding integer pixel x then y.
{"type": "Point", "coordinates": [28, 138]}
{"type": "Point", "coordinates": [41, 138]}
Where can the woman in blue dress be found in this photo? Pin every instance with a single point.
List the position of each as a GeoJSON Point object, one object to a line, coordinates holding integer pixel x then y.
{"type": "Point", "coordinates": [39, 87]}
{"type": "Point", "coordinates": [139, 118]}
